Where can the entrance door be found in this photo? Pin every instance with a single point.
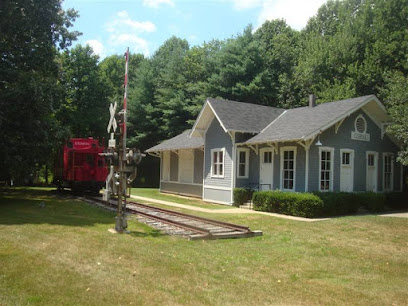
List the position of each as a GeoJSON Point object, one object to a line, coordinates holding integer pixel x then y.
{"type": "Point", "coordinates": [266, 169]}
{"type": "Point", "coordinates": [372, 173]}
{"type": "Point", "coordinates": [346, 170]}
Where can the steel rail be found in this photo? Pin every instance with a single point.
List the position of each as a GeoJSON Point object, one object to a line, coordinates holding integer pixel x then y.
{"type": "Point", "coordinates": [215, 222]}
{"type": "Point", "coordinates": [190, 227]}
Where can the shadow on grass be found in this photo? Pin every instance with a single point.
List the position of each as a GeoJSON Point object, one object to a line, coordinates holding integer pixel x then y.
{"type": "Point", "coordinates": [153, 233]}
{"type": "Point", "coordinates": [31, 206]}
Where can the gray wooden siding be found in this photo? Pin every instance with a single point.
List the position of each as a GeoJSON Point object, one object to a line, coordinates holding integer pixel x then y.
{"type": "Point", "coordinates": [182, 189]}
{"type": "Point", "coordinates": [216, 195]}
{"type": "Point", "coordinates": [198, 166]}
{"type": "Point", "coordinates": [216, 138]}
{"type": "Point", "coordinates": [342, 140]}
{"type": "Point", "coordinates": [173, 167]}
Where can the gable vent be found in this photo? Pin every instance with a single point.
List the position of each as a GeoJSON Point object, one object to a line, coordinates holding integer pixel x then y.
{"type": "Point", "coordinates": [360, 124]}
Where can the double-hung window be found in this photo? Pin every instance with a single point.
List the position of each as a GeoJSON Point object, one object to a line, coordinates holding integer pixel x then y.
{"type": "Point", "coordinates": [326, 157]}
{"type": "Point", "coordinates": [217, 162]}
{"type": "Point", "coordinates": [288, 168]}
{"type": "Point", "coordinates": [388, 171]}
{"type": "Point", "coordinates": [243, 163]}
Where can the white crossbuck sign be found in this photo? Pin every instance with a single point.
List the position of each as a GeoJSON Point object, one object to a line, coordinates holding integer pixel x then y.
{"type": "Point", "coordinates": [112, 121]}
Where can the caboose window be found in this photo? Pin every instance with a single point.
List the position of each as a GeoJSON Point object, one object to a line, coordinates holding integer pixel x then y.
{"type": "Point", "coordinates": [90, 159]}
{"type": "Point", "coordinates": [100, 163]}
{"type": "Point", "coordinates": [78, 159]}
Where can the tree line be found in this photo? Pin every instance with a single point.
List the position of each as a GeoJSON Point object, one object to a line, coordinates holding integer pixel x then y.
{"type": "Point", "coordinates": [50, 92]}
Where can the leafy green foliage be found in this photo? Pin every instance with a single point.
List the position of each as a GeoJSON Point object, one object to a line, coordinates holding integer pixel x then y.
{"type": "Point", "coordinates": [84, 107]}
{"type": "Point", "coordinates": [241, 196]}
{"type": "Point", "coordinates": [396, 98]}
{"type": "Point", "coordinates": [326, 204]}
{"type": "Point", "coordinates": [290, 203]}
{"type": "Point", "coordinates": [31, 32]}
{"type": "Point", "coordinates": [339, 203]}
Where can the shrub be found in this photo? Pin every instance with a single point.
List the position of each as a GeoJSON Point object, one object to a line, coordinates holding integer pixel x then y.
{"type": "Point", "coordinates": [396, 200]}
{"type": "Point", "coordinates": [241, 196]}
{"type": "Point", "coordinates": [328, 204]}
{"type": "Point", "coordinates": [339, 203]}
{"type": "Point", "coordinates": [373, 202]}
{"type": "Point", "coordinates": [295, 204]}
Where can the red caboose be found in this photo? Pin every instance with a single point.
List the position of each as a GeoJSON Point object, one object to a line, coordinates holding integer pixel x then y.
{"type": "Point", "coordinates": [80, 167]}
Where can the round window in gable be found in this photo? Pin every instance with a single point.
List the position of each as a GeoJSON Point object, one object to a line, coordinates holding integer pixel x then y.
{"type": "Point", "coordinates": [360, 124]}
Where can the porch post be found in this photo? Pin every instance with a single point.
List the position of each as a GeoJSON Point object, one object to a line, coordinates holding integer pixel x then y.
{"type": "Point", "coordinates": [232, 135]}
{"type": "Point", "coordinates": [402, 177]}
{"type": "Point", "coordinates": [161, 173]}
{"type": "Point", "coordinates": [307, 147]}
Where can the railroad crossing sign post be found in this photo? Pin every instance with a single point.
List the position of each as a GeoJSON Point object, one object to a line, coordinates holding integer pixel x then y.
{"type": "Point", "coordinates": [123, 161]}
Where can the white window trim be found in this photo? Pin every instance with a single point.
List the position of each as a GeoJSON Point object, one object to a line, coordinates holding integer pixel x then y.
{"type": "Point", "coordinates": [246, 150]}
{"type": "Point", "coordinates": [223, 162]}
{"type": "Point", "coordinates": [392, 171]}
{"type": "Point", "coordinates": [283, 149]}
{"type": "Point", "coordinates": [365, 124]}
{"type": "Point", "coordinates": [351, 164]}
{"type": "Point", "coordinates": [330, 149]}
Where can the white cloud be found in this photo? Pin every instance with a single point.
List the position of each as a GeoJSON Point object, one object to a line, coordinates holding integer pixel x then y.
{"type": "Point", "coordinates": [246, 4]}
{"type": "Point", "coordinates": [157, 3]}
{"type": "Point", "coordinates": [295, 12]}
{"type": "Point", "coordinates": [137, 44]}
{"type": "Point", "coordinates": [126, 32]}
{"type": "Point", "coordinates": [97, 47]}
{"type": "Point", "coordinates": [122, 21]}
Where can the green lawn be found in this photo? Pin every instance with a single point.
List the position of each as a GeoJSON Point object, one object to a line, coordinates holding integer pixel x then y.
{"type": "Point", "coordinates": [155, 193]}
{"type": "Point", "coordinates": [63, 254]}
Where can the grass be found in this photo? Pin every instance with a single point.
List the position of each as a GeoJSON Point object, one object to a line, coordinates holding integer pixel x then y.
{"type": "Point", "coordinates": [63, 254]}
{"type": "Point", "coordinates": [156, 194]}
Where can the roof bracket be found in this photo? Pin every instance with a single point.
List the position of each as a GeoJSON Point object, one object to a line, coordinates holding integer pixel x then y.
{"type": "Point", "coordinates": [255, 148]}
{"type": "Point", "coordinates": [274, 147]}
{"type": "Point", "coordinates": [155, 154]}
{"type": "Point", "coordinates": [337, 125]}
{"type": "Point", "coordinates": [175, 151]}
{"type": "Point", "coordinates": [306, 143]}
{"type": "Point", "coordinates": [384, 129]}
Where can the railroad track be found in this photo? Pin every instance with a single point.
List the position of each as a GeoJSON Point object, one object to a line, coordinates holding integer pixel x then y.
{"type": "Point", "coordinates": [177, 223]}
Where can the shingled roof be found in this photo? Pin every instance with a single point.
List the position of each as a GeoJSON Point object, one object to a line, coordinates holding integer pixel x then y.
{"type": "Point", "coordinates": [304, 122]}
{"type": "Point", "coordinates": [243, 117]}
{"type": "Point", "coordinates": [181, 141]}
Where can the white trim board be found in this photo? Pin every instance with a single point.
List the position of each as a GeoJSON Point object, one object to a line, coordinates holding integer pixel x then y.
{"type": "Point", "coordinates": [217, 187]}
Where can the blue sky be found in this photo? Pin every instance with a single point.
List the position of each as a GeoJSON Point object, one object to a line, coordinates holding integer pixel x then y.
{"type": "Point", "coordinates": [110, 26]}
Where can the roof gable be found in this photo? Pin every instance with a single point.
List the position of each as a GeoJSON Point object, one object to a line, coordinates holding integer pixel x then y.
{"type": "Point", "coordinates": [235, 116]}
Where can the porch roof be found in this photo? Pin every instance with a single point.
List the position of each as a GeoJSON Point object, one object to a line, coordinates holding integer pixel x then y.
{"type": "Point", "coordinates": [181, 141]}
